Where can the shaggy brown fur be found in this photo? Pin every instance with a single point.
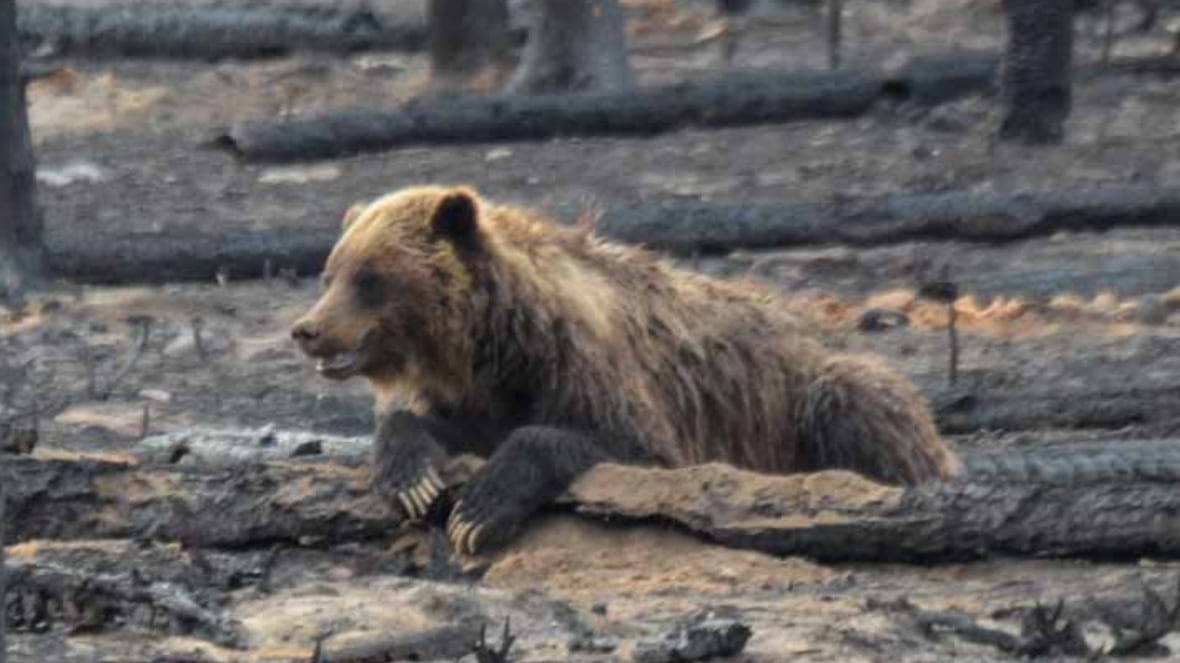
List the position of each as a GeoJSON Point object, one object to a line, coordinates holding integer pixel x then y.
{"type": "Point", "coordinates": [483, 313]}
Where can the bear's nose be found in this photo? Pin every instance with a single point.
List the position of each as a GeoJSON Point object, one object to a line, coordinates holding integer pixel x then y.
{"type": "Point", "coordinates": [304, 331]}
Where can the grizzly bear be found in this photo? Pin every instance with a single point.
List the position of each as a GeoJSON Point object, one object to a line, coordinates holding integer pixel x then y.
{"type": "Point", "coordinates": [494, 330]}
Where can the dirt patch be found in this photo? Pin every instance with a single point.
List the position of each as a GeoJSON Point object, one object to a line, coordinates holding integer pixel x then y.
{"type": "Point", "coordinates": [590, 562]}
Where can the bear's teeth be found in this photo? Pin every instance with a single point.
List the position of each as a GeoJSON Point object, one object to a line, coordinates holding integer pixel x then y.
{"type": "Point", "coordinates": [336, 362]}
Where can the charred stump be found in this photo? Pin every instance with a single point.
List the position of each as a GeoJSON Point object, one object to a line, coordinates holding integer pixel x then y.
{"type": "Point", "coordinates": [573, 46]}
{"type": "Point", "coordinates": [21, 247]}
{"type": "Point", "coordinates": [1037, 69]}
{"type": "Point", "coordinates": [467, 38]}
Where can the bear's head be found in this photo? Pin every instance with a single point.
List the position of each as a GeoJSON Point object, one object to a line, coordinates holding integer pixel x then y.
{"type": "Point", "coordinates": [398, 295]}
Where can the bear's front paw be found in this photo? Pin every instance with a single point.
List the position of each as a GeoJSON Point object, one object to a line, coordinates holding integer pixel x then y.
{"type": "Point", "coordinates": [481, 524]}
{"type": "Point", "coordinates": [417, 490]}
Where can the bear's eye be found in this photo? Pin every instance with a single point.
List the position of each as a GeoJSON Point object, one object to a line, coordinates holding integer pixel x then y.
{"type": "Point", "coordinates": [368, 288]}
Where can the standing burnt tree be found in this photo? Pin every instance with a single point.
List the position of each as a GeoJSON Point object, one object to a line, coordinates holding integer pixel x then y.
{"type": "Point", "coordinates": [21, 249]}
{"type": "Point", "coordinates": [1037, 64]}
{"type": "Point", "coordinates": [3, 581]}
{"type": "Point", "coordinates": [467, 38]}
{"type": "Point", "coordinates": [573, 46]}
{"type": "Point", "coordinates": [20, 223]}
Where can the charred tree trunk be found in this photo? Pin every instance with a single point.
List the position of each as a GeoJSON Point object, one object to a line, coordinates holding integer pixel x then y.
{"type": "Point", "coordinates": [1112, 499]}
{"type": "Point", "coordinates": [573, 45]}
{"type": "Point", "coordinates": [21, 247]}
{"type": "Point", "coordinates": [3, 572]}
{"type": "Point", "coordinates": [1037, 70]}
{"type": "Point", "coordinates": [467, 38]}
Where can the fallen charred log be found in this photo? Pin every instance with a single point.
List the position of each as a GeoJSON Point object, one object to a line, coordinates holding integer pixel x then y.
{"type": "Point", "coordinates": [210, 32]}
{"type": "Point", "coordinates": [688, 228]}
{"type": "Point", "coordinates": [696, 228]}
{"type": "Point", "coordinates": [836, 516]}
{"type": "Point", "coordinates": [66, 498]}
{"type": "Point", "coordinates": [730, 100]}
{"type": "Point", "coordinates": [1108, 408]}
{"type": "Point", "coordinates": [735, 99]}
{"type": "Point", "coordinates": [102, 258]}
{"type": "Point", "coordinates": [1121, 275]}
{"type": "Point", "coordinates": [1128, 510]}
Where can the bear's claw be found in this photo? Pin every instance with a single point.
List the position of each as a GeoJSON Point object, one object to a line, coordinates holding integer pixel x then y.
{"type": "Point", "coordinates": [465, 536]}
{"type": "Point", "coordinates": [418, 498]}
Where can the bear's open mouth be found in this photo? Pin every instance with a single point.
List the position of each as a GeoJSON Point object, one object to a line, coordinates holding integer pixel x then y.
{"type": "Point", "coordinates": [340, 365]}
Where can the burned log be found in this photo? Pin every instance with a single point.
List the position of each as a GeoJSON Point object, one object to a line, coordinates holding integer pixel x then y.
{"type": "Point", "coordinates": [739, 98]}
{"type": "Point", "coordinates": [693, 228]}
{"type": "Point", "coordinates": [699, 228]}
{"type": "Point", "coordinates": [1130, 275]}
{"type": "Point", "coordinates": [836, 516]}
{"type": "Point", "coordinates": [1082, 462]}
{"type": "Point", "coordinates": [1107, 408]}
{"type": "Point", "coordinates": [1054, 509]}
{"type": "Point", "coordinates": [87, 497]}
{"type": "Point", "coordinates": [111, 258]}
{"type": "Point", "coordinates": [211, 31]}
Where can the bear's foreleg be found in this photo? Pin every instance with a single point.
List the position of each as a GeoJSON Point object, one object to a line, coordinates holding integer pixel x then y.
{"type": "Point", "coordinates": [533, 466]}
{"type": "Point", "coordinates": [407, 451]}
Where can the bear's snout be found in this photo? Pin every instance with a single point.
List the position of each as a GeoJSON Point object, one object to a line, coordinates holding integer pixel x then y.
{"type": "Point", "coordinates": [305, 331]}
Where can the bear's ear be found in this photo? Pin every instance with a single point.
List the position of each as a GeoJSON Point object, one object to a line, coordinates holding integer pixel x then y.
{"type": "Point", "coordinates": [456, 217]}
{"type": "Point", "coordinates": [351, 215]}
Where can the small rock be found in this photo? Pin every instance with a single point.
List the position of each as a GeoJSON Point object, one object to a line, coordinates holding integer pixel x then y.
{"type": "Point", "coordinates": [497, 154]}
{"type": "Point", "coordinates": [958, 116]}
{"type": "Point", "coordinates": [75, 171]}
{"type": "Point", "coordinates": [701, 637]}
{"type": "Point", "coordinates": [299, 174]}
{"type": "Point", "coordinates": [157, 395]}
{"type": "Point", "coordinates": [882, 319]}
{"type": "Point", "coordinates": [214, 341]}
{"type": "Point", "coordinates": [308, 448]}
